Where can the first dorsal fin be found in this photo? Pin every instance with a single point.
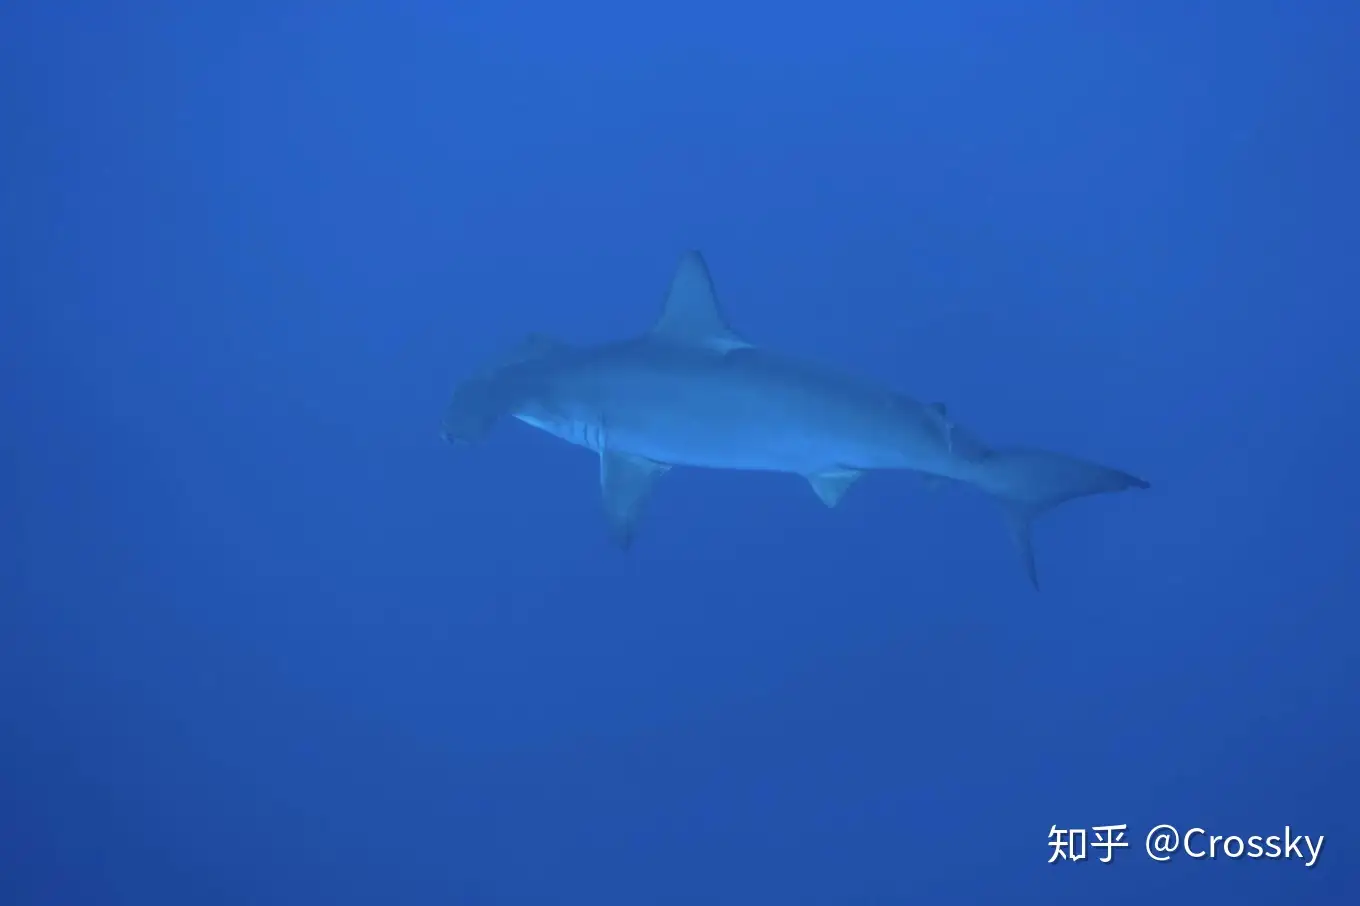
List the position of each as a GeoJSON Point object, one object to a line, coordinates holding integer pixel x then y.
{"type": "Point", "coordinates": [692, 315]}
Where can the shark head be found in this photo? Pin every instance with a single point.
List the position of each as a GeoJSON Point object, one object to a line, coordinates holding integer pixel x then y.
{"type": "Point", "coordinates": [497, 391]}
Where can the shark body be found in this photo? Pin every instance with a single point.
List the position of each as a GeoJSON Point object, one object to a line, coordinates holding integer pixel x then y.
{"type": "Point", "coordinates": [691, 392]}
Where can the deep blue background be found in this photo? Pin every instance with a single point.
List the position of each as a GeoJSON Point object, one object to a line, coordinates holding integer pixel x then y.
{"type": "Point", "coordinates": [265, 639]}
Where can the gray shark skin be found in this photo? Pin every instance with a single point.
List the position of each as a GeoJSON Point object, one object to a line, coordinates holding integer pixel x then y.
{"type": "Point", "coordinates": [691, 392]}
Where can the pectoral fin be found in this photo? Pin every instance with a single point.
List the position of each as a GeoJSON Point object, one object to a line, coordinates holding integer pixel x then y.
{"type": "Point", "coordinates": [626, 485]}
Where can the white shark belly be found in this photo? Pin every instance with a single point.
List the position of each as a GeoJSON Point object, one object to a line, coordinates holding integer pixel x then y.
{"type": "Point", "coordinates": [758, 446]}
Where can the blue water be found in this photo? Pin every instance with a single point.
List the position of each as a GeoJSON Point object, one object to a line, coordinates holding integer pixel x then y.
{"type": "Point", "coordinates": [265, 639]}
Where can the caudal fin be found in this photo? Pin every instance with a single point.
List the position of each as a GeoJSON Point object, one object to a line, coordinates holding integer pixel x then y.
{"type": "Point", "coordinates": [1030, 482]}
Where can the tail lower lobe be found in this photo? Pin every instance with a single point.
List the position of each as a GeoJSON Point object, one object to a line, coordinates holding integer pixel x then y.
{"type": "Point", "coordinates": [1030, 482]}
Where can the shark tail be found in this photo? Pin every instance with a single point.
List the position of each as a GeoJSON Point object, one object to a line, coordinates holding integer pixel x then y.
{"type": "Point", "coordinates": [1030, 482]}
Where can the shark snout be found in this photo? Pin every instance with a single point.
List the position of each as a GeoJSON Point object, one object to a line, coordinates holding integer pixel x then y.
{"type": "Point", "coordinates": [476, 406]}
{"type": "Point", "coordinates": [463, 433]}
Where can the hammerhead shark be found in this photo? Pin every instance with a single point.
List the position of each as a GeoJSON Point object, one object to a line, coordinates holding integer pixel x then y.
{"type": "Point", "coordinates": [692, 392]}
